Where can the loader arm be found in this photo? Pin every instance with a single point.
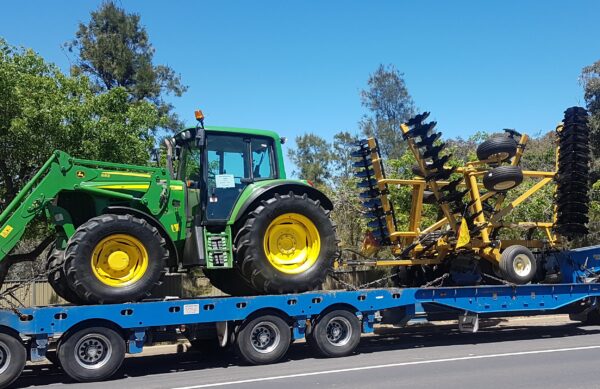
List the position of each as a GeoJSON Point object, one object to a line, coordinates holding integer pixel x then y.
{"type": "Point", "coordinates": [60, 173]}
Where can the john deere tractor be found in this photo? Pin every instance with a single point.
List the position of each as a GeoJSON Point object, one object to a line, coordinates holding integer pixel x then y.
{"type": "Point", "coordinates": [222, 202]}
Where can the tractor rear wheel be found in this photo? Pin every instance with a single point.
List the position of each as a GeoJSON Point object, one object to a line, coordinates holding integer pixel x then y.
{"type": "Point", "coordinates": [115, 259]}
{"type": "Point", "coordinates": [287, 244]}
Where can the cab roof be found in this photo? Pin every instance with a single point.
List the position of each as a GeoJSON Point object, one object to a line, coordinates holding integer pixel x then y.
{"type": "Point", "coordinates": [236, 130]}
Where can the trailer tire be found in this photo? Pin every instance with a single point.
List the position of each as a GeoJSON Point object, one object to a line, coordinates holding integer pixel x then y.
{"type": "Point", "coordinates": [263, 340]}
{"type": "Point", "coordinates": [13, 357]}
{"type": "Point", "coordinates": [287, 244]}
{"type": "Point", "coordinates": [91, 354]}
{"type": "Point", "coordinates": [502, 148]}
{"type": "Point", "coordinates": [336, 334]}
{"type": "Point", "coordinates": [57, 277]}
{"type": "Point", "coordinates": [517, 264]}
{"type": "Point", "coordinates": [503, 178]}
{"type": "Point", "coordinates": [140, 256]}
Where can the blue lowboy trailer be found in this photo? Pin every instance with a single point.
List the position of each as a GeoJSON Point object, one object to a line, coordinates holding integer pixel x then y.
{"type": "Point", "coordinates": [90, 342]}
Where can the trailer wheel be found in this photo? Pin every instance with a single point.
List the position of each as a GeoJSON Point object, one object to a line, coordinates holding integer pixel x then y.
{"type": "Point", "coordinates": [287, 244]}
{"type": "Point", "coordinates": [263, 340]}
{"type": "Point", "coordinates": [501, 148]}
{"type": "Point", "coordinates": [12, 359]}
{"type": "Point", "coordinates": [503, 178]}
{"type": "Point", "coordinates": [57, 277]}
{"type": "Point", "coordinates": [115, 259]}
{"type": "Point", "coordinates": [91, 354]}
{"type": "Point", "coordinates": [517, 264]}
{"type": "Point", "coordinates": [336, 334]}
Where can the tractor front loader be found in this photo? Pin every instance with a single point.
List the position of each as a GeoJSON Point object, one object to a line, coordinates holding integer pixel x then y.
{"type": "Point", "coordinates": [221, 203]}
{"type": "Point", "coordinates": [466, 243]}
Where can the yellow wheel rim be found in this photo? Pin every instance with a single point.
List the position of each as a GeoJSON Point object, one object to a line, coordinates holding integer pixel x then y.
{"type": "Point", "coordinates": [292, 243]}
{"type": "Point", "coordinates": [119, 260]}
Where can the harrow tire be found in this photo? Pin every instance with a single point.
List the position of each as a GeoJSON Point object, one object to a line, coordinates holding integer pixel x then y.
{"type": "Point", "coordinates": [498, 147]}
{"type": "Point", "coordinates": [57, 277]}
{"type": "Point", "coordinates": [518, 265]}
{"type": "Point", "coordinates": [250, 245]}
{"type": "Point", "coordinates": [85, 279]}
{"type": "Point", "coordinates": [503, 178]}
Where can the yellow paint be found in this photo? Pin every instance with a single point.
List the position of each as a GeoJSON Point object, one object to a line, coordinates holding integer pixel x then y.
{"type": "Point", "coordinates": [292, 243]}
{"type": "Point", "coordinates": [128, 174]}
{"type": "Point", "coordinates": [119, 260]}
{"type": "Point", "coordinates": [6, 231]}
{"type": "Point", "coordinates": [125, 186]}
{"type": "Point", "coordinates": [463, 234]}
{"type": "Point", "coordinates": [175, 227]}
{"type": "Point", "coordinates": [176, 187]}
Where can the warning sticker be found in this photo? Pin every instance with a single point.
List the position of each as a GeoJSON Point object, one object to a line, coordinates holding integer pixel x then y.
{"type": "Point", "coordinates": [191, 309]}
{"type": "Point", "coordinates": [6, 231]}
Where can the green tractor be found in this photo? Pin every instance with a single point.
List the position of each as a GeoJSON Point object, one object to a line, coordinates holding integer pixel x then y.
{"type": "Point", "coordinates": [222, 203]}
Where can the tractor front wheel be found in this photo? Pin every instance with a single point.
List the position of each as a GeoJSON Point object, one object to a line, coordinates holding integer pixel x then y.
{"type": "Point", "coordinates": [114, 259]}
{"type": "Point", "coordinates": [287, 244]}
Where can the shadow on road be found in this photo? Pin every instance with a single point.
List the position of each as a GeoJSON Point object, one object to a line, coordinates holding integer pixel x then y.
{"type": "Point", "coordinates": [387, 339]}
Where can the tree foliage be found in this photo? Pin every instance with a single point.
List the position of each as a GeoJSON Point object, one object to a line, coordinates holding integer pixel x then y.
{"type": "Point", "coordinates": [312, 157]}
{"type": "Point", "coordinates": [389, 104]}
{"type": "Point", "coordinates": [42, 109]}
{"type": "Point", "coordinates": [114, 50]}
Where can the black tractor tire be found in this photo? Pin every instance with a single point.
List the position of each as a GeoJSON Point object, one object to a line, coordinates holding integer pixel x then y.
{"type": "Point", "coordinates": [263, 340]}
{"type": "Point", "coordinates": [230, 281]}
{"type": "Point", "coordinates": [503, 148]}
{"type": "Point", "coordinates": [250, 245]}
{"type": "Point", "coordinates": [57, 277]}
{"type": "Point", "coordinates": [336, 334]}
{"type": "Point", "coordinates": [13, 357]}
{"type": "Point", "coordinates": [4, 266]}
{"type": "Point", "coordinates": [503, 178]}
{"type": "Point", "coordinates": [91, 354]}
{"type": "Point", "coordinates": [518, 265]}
{"type": "Point", "coordinates": [80, 249]}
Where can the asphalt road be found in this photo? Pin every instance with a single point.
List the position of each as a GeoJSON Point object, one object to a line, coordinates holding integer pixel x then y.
{"type": "Point", "coordinates": [520, 354]}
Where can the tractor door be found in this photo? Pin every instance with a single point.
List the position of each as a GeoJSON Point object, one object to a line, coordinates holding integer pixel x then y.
{"type": "Point", "coordinates": [233, 162]}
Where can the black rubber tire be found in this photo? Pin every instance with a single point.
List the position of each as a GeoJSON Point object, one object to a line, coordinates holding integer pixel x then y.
{"type": "Point", "coordinates": [57, 277]}
{"type": "Point", "coordinates": [4, 266]}
{"type": "Point", "coordinates": [102, 338]}
{"type": "Point", "coordinates": [326, 342]}
{"type": "Point", "coordinates": [251, 257]}
{"type": "Point", "coordinates": [52, 357]}
{"type": "Point", "coordinates": [79, 252]}
{"type": "Point", "coordinates": [13, 357]}
{"type": "Point", "coordinates": [280, 332]}
{"type": "Point", "coordinates": [503, 147]}
{"type": "Point", "coordinates": [509, 261]}
{"type": "Point", "coordinates": [230, 281]}
{"type": "Point", "coordinates": [503, 178]}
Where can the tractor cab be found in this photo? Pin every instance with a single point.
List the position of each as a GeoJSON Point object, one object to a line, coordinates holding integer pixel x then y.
{"type": "Point", "coordinates": [218, 163]}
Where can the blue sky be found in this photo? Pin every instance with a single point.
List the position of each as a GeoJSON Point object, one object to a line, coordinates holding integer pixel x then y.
{"type": "Point", "coordinates": [297, 67]}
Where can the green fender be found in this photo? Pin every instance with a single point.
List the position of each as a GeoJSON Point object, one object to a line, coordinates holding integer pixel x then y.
{"type": "Point", "coordinates": [255, 194]}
